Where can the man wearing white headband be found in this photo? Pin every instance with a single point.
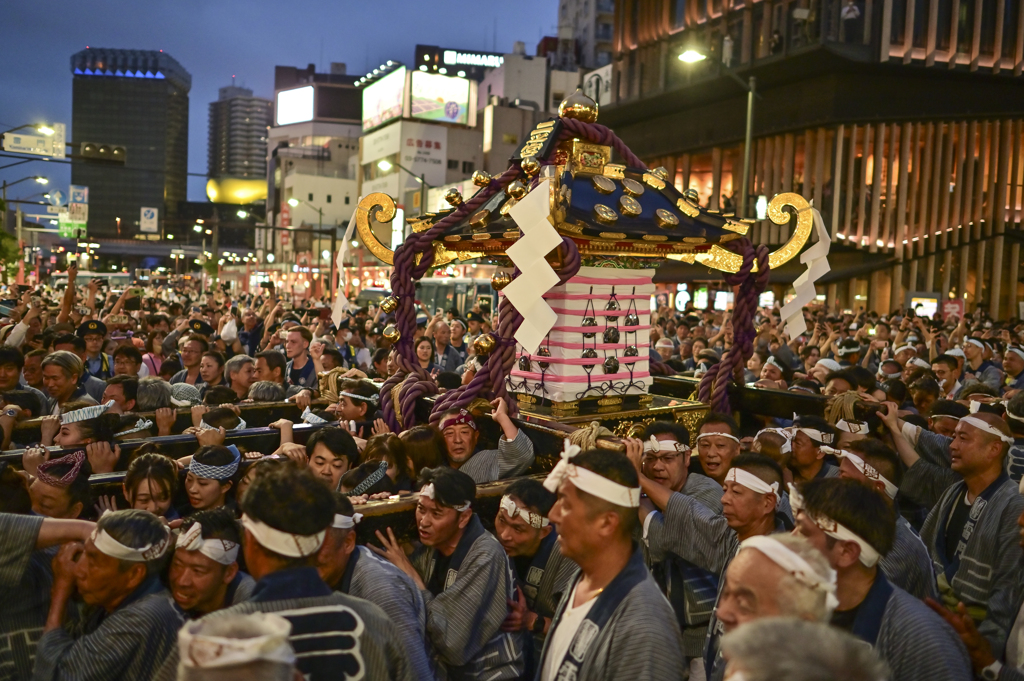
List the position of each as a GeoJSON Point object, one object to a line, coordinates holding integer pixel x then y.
{"type": "Point", "coordinates": [907, 564]}
{"type": "Point", "coordinates": [853, 527]}
{"type": "Point", "coordinates": [977, 368]}
{"type": "Point", "coordinates": [1013, 367]}
{"type": "Point", "coordinates": [778, 576]}
{"type": "Point", "coordinates": [543, 573]}
{"type": "Point", "coordinates": [904, 353]}
{"type": "Point", "coordinates": [355, 570]}
{"type": "Point", "coordinates": [614, 623]}
{"type": "Point", "coordinates": [974, 508]}
{"type": "Point", "coordinates": [464, 577]}
{"type": "Point", "coordinates": [285, 514]}
{"type": "Point", "coordinates": [662, 461]}
{"type": "Point", "coordinates": [947, 373]}
{"type": "Point", "coordinates": [204, 574]}
{"type": "Point", "coordinates": [772, 370]}
{"type": "Point", "coordinates": [117, 571]}
{"type": "Point", "coordinates": [718, 443]}
{"type": "Point", "coordinates": [808, 460]}
{"type": "Point", "coordinates": [461, 435]}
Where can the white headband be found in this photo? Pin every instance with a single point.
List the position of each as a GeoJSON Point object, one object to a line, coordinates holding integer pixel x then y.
{"type": "Point", "coordinates": [988, 428]}
{"type": "Point", "coordinates": [115, 549]}
{"type": "Point", "coordinates": [536, 520]}
{"type": "Point", "coordinates": [346, 522]}
{"type": "Point", "coordinates": [428, 492]}
{"type": "Point", "coordinates": [869, 471]}
{"type": "Point", "coordinates": [219, 550]}
{"type": "Point", "coordinates": [815, 434]}
{"type": "Point", "coordinates": [309, 417]}
{"type": "Point", "coordinates": [1015, 350]}
{"type": "Point", "coordinates": [904, 347]}
{"type": "Point", "coordinates": [855, 427]}
{"type": "Point", "coordinates": [726, 435]}
{"type": "Point", "coordinates": [843, 352]}
{"type": "Point", "coordinates": [751, 481]}
{"type": "Point", "coordinates": [975, 341]}
{"type": "Point", "coordinates": [776, 431]}
{"type": "Point", "coordinates": [918, 362]}
{"type": "Point", "coordinates": [1010, 414]}
{"type": "Point", "coordinates": [141, 424]}
{"type": "Point", "coordinates": [203, 651]}
{"type": "Point", "coordinates": [284, 543]}
{"type": "Point", "coordinates": [653, 444]}
{"type": "Point", "coordinates": [868, 555]}
{"type": "Point", "coordinates": [795, 565]}
{"type": "Point", "coordinates": [589, 481]}
{"type": "Point", "coordinates": [774, 362]}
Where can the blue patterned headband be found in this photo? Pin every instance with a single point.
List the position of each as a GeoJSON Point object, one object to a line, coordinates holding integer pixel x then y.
{"type": "Point", "coordinates": [216, 472]}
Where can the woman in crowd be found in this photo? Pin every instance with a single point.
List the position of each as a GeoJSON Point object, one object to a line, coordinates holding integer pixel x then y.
{"type": "Point", "coordinates": [211, 369]}
{"type": "Point", "coordinates": [211, 477]}
{"type": "Point", "coordinates": [154, 356]}
{"type": "Point", "coordinates": [425, 447]}
{"type": "Point", "coordinates": [425, 355]}
{"type": "Point", "coordinates": [389, 447]}
{"type": "Point", "coordinates": [150, 485]}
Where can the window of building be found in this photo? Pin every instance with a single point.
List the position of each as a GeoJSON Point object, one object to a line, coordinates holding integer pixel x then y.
{"type": "Point", "coordinates": [310, 196]}
{"type": "Point", "coordinates": [467, 167]}
{"type": "Point", "coordinates": [328, 198]}
{"type": "Point", "coordinates": [509, 138]}
{"type": "Point", "coordinates": [346, 200]}
{"type": "Point", "coordinates": [453, 164]}
{"type": "Point", "coordinates": [556, 99]}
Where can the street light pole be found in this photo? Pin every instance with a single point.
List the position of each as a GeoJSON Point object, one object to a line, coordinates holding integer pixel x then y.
{"type": "Point", "coordinates": [747, 145]}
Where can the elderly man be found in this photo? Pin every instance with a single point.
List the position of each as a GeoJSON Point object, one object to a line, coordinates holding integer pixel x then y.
{"type": "Point", "coordinates": [1013, 365]}
{"type": "Point", "coordinates": [356, 571]}
{"type": "Point", "coordinates": [133, 625]}
{"type": "Point", "coordinates": [464, 577]}
{"type": "Point", "coordinates": [512, 457]}
{"type": "Point", "coordinates": [62, 374]}
{"type": "Point", "coordinates": [543, 573]}
{"type": "Point", "coordinates": [240, 371]}
{"type": "Point", "coordinates": [614, 623]}
{"type": "Point", "coordinates": [286, 513]}
{"type": "Point", "coordinates": [204, 574]}
{"type": "Point", "coordinates": [192, 351]}
{"type": "Point", "coordinates": [663, 468]}
{"type": "Point", "coordinates": [718, 443]}
{"type": "Point", "coordinates": [973, 520]}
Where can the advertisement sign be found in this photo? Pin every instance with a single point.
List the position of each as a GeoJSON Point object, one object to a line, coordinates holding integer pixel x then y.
{"type": "Point", "coordinates": [954, 307]}
{"type": "Point", "coordinates": [294, 106]}
{"type": "Point", "coordinates": [384, 99]}
{"type": "Point", "coordinates": [439, 98]}
{"type": "Point", "coordinates": [598, 85]}
{"type": "Point", "coordinates": [381, 143]}
{"type": "Point", "coordinates": [51, 145]}
{"type": "Point", "coordinates": [79, 194]}
{"type": "Point", "coordinates": [148, 220]}
{"type": "Point", "coordinates": [424, 150]}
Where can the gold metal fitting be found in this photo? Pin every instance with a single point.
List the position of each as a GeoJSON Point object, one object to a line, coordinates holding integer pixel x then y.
{"type": "Point", "coordinates": [389, 304]}
{"type": "Point", "coordinates": [530, 166]}
{"type": "Point", "coordinates": [516, 190]}
{"type": "Point", "coordinates": [500, 280]}
{"type": "Point", "coordinates": [481, 178]}
{"type": "Point", "coordinates": [391, 333]}
{"type": "Point", "coordinates": [579, 106]}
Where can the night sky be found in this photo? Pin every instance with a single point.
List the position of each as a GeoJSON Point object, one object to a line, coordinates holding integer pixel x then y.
{"type": "Point", "coordinates": [215, 39]}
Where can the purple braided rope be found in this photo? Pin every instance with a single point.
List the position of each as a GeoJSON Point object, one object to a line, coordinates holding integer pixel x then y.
{"type": "Point", "coordinates": [490, 379]}
{"type": "Point", "coordinates": [713, 388]}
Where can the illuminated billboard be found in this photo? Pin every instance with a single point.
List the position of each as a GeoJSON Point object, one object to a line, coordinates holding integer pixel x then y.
{"type": "Point", "coordinates": [295, 106]}
{"type": "Point", "coordinates": [384, 99]}
{"type": "Point", "coordinates": [440, 98]}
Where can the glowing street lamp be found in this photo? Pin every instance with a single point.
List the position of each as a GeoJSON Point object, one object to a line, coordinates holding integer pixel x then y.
{"type": "Point", "coordinates": [692, 57]}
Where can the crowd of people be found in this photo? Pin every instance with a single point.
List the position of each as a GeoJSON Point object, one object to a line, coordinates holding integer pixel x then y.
{"type": "Point", "coordinates": [774, 549]}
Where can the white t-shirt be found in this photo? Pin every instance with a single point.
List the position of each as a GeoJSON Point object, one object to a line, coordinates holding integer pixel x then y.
{"type": "Point", "coordinates": [561, 637]}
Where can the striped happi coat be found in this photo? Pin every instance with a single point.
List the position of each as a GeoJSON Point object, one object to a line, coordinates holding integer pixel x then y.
{"type": "Point", "coordinates": [544, 594]}
{"type": "Point", "coordinates": [464, 620]}
{"type": "Point", "coordinates": [25, 579]}
{"type": "Point", "coordinates": [699, 588]}
{"type": "Point", "coordinates": [511, 458]}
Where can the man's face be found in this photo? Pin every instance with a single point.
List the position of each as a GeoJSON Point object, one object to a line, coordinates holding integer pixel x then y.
{"type": "Point", "coordinates": [665, 351]}
{"type": "Point", "coordinates": [33, 371]}
{"type": "Point", "coordinates": [349, 410]}
{"type": "Point", "coordinates": [571, 517]}
{"type": "Point", "coordinates": [666, 468]}
{"type": "Point", "coordinates": [58, 385]}
{"type": "Point", "coordinates": [518, 537]}
{"type": "Point", "coordinates": [849, 471]}
{"type": "Point", "coordinates": [93, 343]}
{"type": "Point", "coordinates": [1012, 363]}
{"type": "Point", "coordinates": [199, 583]}
{"type": "Point", "coordinates": [969, 450]}
{"type": "Point", "coordinates": [751, 590]}
{"type": "Point", "coordinates": [99, 578]}
{"type": "Point", "coordinates": [943, 425]}
{"type": "Point", "coordinates": [295, 345]}
{"type": "Point", "coordinates": [805, 527]}
{"type": "Point", "coordinates": [771, 372]}
{"type": "Point", "coordinates": [244, 377]}
{"type": "Point", "coordinates": [115, 392]}
{"type": "Point", "coordinates": [437, 525]}
{"type": "Point", "coordinates": [10, 374]}
{"type": "Point", "coordinates": [741, 506]}
{"type": "Point", "coordinates": [947, 377]}
{"type": "Point", "coordinates": [458, 330]}
{"type": "Point", "coordinates": [682, 331]}
{"type": "Point", "coordinates": [263, 372]}
{"type": "Point", "coordinates": [716, 452]}
{"type": "Point", "coordinates": [474, 327]}
{"type": "Point", "coordinates": [249, 319]}
{"type": "Point", "coordinates": [124, 366]}
{"type": "Point", "coordinates": [904, 356]}
{"type": "Point", "coordinates": [805, 452]}
{"type": "Point", "coordinates": [972, 351]}
{"type": "Point", "coordinates": [191, 354]}
{"type": "Point", "coordinates": [442, 335]}
{"type": "Point", "coordinates": [461, 440]}
{"type": "Point", "coordinates": [52, 502]}
{"type": "Point", "coordinates": [837, 386]}
{"type": "Point", "coordinates": [326, 466]}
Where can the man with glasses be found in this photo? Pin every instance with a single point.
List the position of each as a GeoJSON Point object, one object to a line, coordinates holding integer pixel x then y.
{"type": "Point", "coordinates": [664, 466]}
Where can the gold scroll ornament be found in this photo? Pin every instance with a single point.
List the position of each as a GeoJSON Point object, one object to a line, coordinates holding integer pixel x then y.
{"type": "Point", "coordinates": [381, 208]}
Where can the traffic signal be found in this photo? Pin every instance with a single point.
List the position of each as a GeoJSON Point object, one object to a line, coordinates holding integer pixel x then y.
{"type": "Point", "coordinates": [94, 151]}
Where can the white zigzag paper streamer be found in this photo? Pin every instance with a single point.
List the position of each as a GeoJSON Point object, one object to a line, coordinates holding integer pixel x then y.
{"type": "Point", "coordinates": [816, 259]}
{"type": "Point", "coordinates": [536, 277]}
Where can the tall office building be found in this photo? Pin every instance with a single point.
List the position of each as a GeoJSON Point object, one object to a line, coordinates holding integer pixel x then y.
{"type": "Point", "coordinates": [588, 23]}
{"type": "Point", "coordinates": [138, 99]}
{"type": "Point", "coordinates": [238, 134]}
